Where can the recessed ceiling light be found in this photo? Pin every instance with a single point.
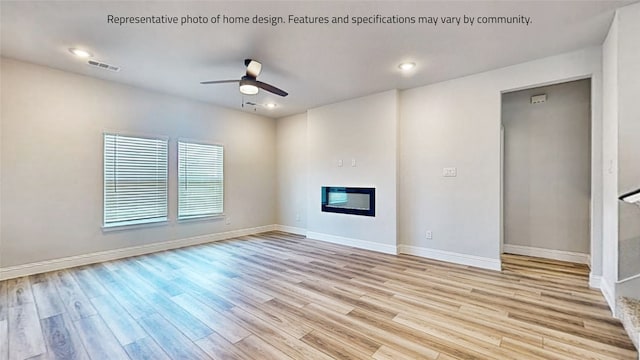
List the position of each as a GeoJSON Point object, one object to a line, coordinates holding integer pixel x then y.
{"type": "Point", "coordinates": [270, 105]}
{"type": "Point", "coordinates": [80, 53]}
{"type": "Point", "coordinates": [406, 66]}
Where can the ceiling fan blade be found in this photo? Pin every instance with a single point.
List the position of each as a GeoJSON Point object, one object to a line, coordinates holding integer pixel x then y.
{"type": "Point", "coordinates": [219, 82]}
{"type": "Point", "coordinates": [271, 88]}
{"type": "Point", "coordinates": [253, 67]}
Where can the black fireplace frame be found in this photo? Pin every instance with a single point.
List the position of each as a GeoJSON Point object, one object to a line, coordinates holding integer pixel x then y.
{"type": "Point", "coordinates": [349, 190]}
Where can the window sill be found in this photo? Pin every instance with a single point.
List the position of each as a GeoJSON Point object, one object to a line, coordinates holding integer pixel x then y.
{"type": "Point", "coordinates": [112, 228]}
{"type": "Point", "coordinates": [202, 218]}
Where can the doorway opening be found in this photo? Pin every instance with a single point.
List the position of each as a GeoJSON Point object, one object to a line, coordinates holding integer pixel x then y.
{"type": "Point", "coordinates": [546, 172]}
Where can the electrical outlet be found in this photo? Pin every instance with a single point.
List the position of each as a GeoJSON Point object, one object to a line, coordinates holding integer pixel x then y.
{"type": "Point", "coordinates": [297, 217]}
{"type": "Point", "coordinates": [429, 235]}
{"type": "Point", "coordinates": [227, 220]}
{"type": "Point", "coordinates": [339, 163]}
{"type": "Point", "coordinates": [353, 162]}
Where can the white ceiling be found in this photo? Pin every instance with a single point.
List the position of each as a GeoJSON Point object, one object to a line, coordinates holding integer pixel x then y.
{"type": "Point", "coordinates": [316, 64]}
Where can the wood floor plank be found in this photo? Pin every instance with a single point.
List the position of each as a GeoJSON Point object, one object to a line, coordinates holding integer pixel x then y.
{"type": "Point", "coordinates": [201, 292]}
{"type": "Point", "coordinates": [575, 351]}
{"type": "Point", "coordinates": [489, 349]}
{"type": "Point", "coordinates": [331, 327]}
{"type": "Point", "coordinates": [387, 353]}
{"type": "Point", "coordinates": [220, 349]}
{"type": "Point", "coordinates": [170, 339]}
{"type": "Point", "coordinates": [260, 349]}
{"type": "Point", "coordinates": [282, 296]}
{"type": "Point", "coordinates": [19, 291]}
{"type": "Point", "coordinates": [278, 338]}
{"type": "Point", "coordinates": [292, 326]}
{"type": "Point", "coordinates": [188, 324]}
{"type": "Point", "coordinates": [63, 342]}
{"type": "Point", "coordinates": [72, 296]}
{"type": "Point", "coordinates": [121, 324]}
{"type": "Point", "coordinates": [4, 300]}
{"type": "Point", "coordinates": [145, 349]}
{"type": "Point", "coordinates": [128, 299]}
{"type": "Point", "coordinates": [25, 333]}
{"type": "Point", "coordinates": [4, 339]}
{"type": "Point", "coordinates": [98, 339]}
{"type": "Point", "coordinates": [89, 283]}
{"type": "Point", "coordinates": [47, 298]}
{"type": "Point", "coordinates": [332, 347]}
{"type": "Point", "coordinates": [409, 344]}
{"type": "Point", "coordinates": [215, 320]}
{"type": "Point", "coordinates": [530, 351]}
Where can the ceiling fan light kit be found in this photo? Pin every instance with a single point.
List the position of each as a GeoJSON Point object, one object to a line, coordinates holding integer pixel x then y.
{"type": "Point", "coordinates": [249, 85]}
{"type": "Point", "coordinates": [247, 88]}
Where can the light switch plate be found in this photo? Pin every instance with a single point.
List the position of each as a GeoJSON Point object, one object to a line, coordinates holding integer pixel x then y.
{"type": "Point", "coordinates": [340, 163]}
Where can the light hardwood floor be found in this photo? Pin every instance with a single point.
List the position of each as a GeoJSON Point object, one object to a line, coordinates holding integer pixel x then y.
{"type": "Point", "coordinates": [281, 296]}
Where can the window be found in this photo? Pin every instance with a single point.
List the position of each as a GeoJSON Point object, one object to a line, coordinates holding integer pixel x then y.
{"type": "Point", "coordinates": [200, 180]}
{"type": "Point", "coordinates": [135, 180]}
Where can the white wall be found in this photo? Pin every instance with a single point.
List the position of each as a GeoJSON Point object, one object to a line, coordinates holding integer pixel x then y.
{"type": "Point", "coordinates": [457, 124]}
{"type": "Point", "coordinates": [364, 129]}
{"type": "Point", "coordinates": [628, 138]}
{"type": "Point", "coordinates": [291, 149]}
{"type": "Point", "coordinates": [547, 167]}
{"type": "Point", "coordinates": [449, 124]}
{"type": "Point", "coordinates": [52, 125]}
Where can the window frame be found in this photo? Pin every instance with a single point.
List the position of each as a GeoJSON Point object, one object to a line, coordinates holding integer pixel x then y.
{"type": "Point", "coordinates": [132, 224]}
{"type": "Point", "coordinates": [203, 217]}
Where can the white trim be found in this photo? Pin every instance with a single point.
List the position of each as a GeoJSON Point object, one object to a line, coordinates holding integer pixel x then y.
{"type": "Point", "coordinates": [85, 259]}
{"type": "Point", "coordinates": [362, 244]}
{"type": "Point", "coordinates": [609, 294]}
{"type": "Point", "coordinates": [595, 281]}
{"type": "Point", "coordinates": [561, 255]}
{"type": "Point", "coordinates": [292, 229]}
{"type": "Point", "coordinates": [456, 258]}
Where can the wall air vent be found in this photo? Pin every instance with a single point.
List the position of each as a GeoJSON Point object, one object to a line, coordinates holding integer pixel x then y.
{"type": "Point", "coordinates": [103, 66]}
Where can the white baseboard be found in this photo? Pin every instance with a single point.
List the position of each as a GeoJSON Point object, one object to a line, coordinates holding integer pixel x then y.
{"type": "Point", "coordinates": [608, 291]}
{"type": "Point", "coordinates": [569, 256]}
{"type": "Point", "coordinates": [362, 244]}
{"type": "Point", "coordinates": [292, 229]}
{"type": "Point", "coordinates": [86, 259]}
{"type": "Point", "coordinates": [456, 258]}
{"type": "Point", "coordinates": [595, 281]}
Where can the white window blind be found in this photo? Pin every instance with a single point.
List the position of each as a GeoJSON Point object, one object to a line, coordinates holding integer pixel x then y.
{"type": "Point", "coordinates": [200, 180]}
{"type": "Point", "coordinates": [135, 180]}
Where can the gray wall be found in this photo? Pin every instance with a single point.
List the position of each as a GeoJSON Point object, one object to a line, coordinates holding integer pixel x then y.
{"type": "Point", "coordinates": [547, 167]}
{"type": "Point", "coordinates": [52, 126]}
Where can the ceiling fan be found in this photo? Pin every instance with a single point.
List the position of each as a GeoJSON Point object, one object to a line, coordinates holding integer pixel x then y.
{"type": "Point", "coordinates": [248, 83]}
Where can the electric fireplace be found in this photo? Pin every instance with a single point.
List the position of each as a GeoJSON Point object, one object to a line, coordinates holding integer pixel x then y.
{"type": "Point", "coordinates": [349, 200]}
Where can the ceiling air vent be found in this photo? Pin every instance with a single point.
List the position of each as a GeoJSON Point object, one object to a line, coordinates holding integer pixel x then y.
{"type": "Point", "coordinates": [103, 66]}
